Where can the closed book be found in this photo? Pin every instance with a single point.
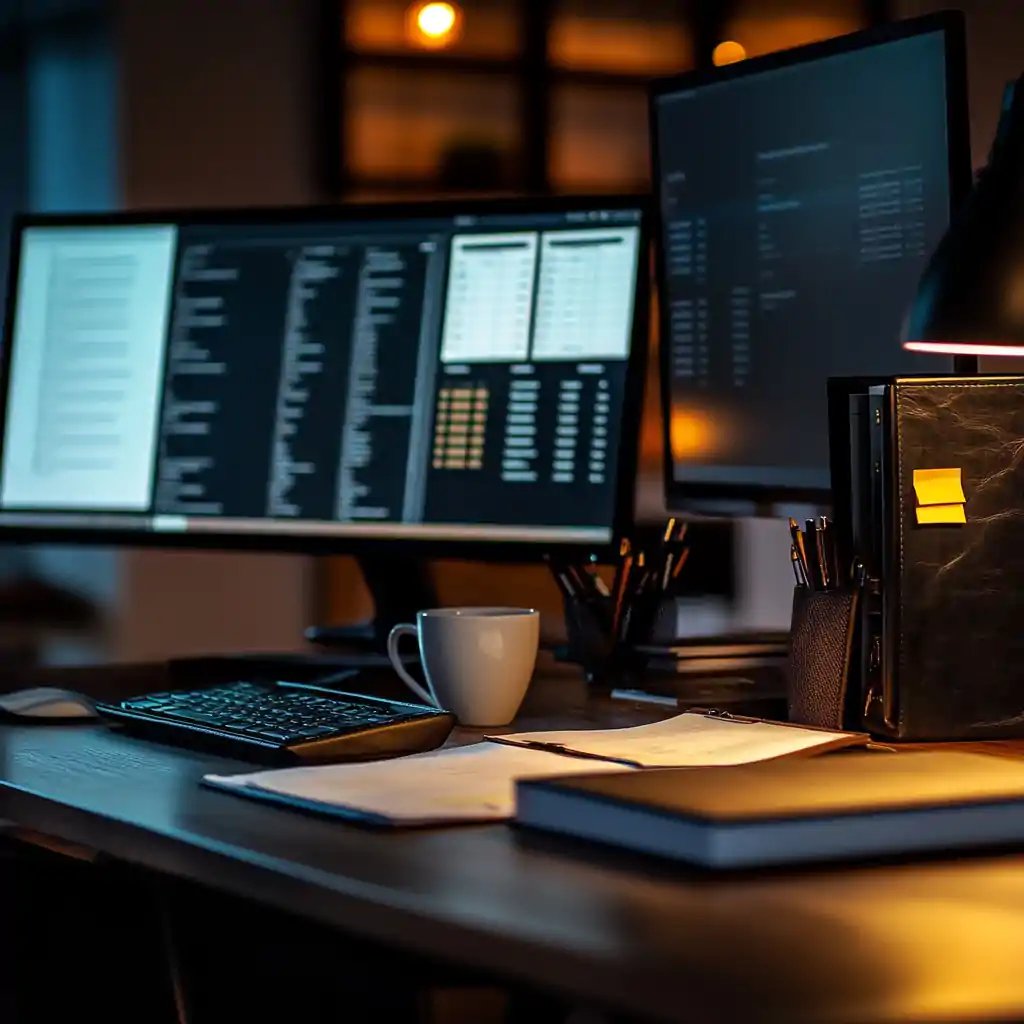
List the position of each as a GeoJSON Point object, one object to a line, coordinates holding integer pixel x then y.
{"type": "Point", "coordinates": [789, 811]}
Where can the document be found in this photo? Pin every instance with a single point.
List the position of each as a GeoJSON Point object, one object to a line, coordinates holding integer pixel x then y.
{"type": "Point", "coordinates": [90, 335]}
{"type": "Point", "coordinates": [477, 783]}
{"type": "Point", "coordinates": [459, 784]}
{"type": "Point", "coordinates": [691, 740]}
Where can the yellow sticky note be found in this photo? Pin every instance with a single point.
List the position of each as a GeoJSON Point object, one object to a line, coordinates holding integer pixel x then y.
{"type": "Point", "coordinates": [939, 487]}
{"type": "Point", "coordinates": [933, 515]}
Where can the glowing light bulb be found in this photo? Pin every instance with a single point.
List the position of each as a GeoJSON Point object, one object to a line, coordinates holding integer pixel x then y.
{"type": "Point", "coordinates": [435, 24]}
{"type": "Point", "coordinates": [728, 52]}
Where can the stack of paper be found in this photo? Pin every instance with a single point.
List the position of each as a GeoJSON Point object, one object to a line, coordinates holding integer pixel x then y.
{"type": "Point", "coordinates": [477, 783]}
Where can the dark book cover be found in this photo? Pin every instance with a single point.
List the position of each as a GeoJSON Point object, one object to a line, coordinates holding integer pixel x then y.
{"type": "Point", "coordinates": [836, 785]}
{"type": "Point", "coordinates": [836, 807]}
{"type": "Point", "coordinates": [953, 567]}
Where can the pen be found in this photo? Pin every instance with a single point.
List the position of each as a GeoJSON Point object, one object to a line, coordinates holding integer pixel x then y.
{"type": "Point", "coordinates": [636, 582]}
{"type": "Point", "coordinates": [582, 583]}
{"type": "Point", "coordinates": [823, 567]}
{"type": "Point", "coordinates": [679, 556]}
{"type": "Point", "coordinates": [798, 547]}
{"type": "Point", "coordinates": [559, 748]}
{"type": "Point", "coordinates": [589, 596]}
{"type": "Point", "coordinates": [637, 605]}
{"type": "Point", "coordinates": [667, 554]}
{"type": "Point", "coordinates": [624, 549]}
{"type": "Point", "coordinates": [831, 549]}
{"type": "Point", "coordinates": [565, 584]}
{"type": "Point", "coordinates": [680, 562]}
{"type": "Point", "coordinates": [666, 572]}
{"type": "Point", "coordinates": [801, 580]}
{"type": "Point", "coordinates": [599, 584]}
{"type": "Point", "coordinates": [624, 571]}
{"type": "Point", "coordinates": [809, 545]}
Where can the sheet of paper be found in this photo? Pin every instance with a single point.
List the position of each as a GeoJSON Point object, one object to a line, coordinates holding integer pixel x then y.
{"type": "Point", "coordinates": [686, 741]}
{"type": "Point", "coordinates": [474, 783]}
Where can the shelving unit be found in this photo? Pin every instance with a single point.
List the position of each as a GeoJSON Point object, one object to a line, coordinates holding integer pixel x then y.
{"type": "Point", "coordinates": [535, 96]}
{"type": "Point", "coordinates": [522, 102]}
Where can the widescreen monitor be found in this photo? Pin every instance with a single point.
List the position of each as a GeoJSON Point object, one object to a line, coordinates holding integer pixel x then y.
{"type": "Point", "coordinates": [453, 375]}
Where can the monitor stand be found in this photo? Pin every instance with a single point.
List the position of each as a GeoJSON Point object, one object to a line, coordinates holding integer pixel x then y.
{"type": "Point", "coordinates": [400, 587]}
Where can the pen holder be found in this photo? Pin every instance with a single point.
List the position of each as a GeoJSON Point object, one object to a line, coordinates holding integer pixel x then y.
{"type": "Point", "coordinates": [821, 653]}
{"type": "Point", "coordinates": [590, 645]}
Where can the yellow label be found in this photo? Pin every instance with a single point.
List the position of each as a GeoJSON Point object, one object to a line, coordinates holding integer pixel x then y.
{"type": "Point", "coordinates": [934, 515]}
{"type": "Point", "coordinates": [939, 487]}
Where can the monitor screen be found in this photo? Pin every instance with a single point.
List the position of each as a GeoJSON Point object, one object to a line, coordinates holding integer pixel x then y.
{"type": "Point", "coordinates": [395, 373]}
{"type": "Point", "coordinates": [800, 196]}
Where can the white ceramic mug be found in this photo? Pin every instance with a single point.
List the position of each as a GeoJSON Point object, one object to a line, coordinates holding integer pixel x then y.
{"type": "Point", "coordinates": [478, 662]}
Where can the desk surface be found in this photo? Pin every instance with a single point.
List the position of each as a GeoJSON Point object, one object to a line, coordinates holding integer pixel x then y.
{"type": "Point", "coordinates": [894, 942]}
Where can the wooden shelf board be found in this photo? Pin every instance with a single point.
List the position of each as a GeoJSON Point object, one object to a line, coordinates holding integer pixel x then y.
{"type": "Point", "coordinates": [508, 66]}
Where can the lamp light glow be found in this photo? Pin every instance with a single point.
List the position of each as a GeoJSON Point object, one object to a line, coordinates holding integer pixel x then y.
{"type": "Point", "coordinates": [728, 52]}
{"type": "Point", "coordinates": [970, 300]}
{"type": "Point", "coordinates": [435, 24]}
{"type": "Point", "coordinates": [963, 348]}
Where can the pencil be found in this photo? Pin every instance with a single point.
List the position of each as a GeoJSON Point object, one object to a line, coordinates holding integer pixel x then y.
{"type": "Point", "coordinates": [670, 528]}
{"type": "Point", "coordinates": [625, 567]}
{"type": "Point", "coordinates": [678, 568]}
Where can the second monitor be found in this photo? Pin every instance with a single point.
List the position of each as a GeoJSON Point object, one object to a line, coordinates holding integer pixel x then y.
{"type": "Point", "coordinates": [799, 195]}
{"type": "Point", "coordinates": [449, 373]}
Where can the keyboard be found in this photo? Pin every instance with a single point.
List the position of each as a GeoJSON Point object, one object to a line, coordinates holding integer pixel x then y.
{"type": "Point", "coordinates": [282, 722]}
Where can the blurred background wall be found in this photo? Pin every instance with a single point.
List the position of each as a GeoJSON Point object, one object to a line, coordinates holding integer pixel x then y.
{"type": "Point", "coordinates": [218, 106]}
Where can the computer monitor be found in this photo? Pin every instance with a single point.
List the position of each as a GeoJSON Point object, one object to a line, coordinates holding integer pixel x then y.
{"type": "Point", "coordinates": [798, 198]}
{"type": "Point", "coordinates": [459, 376]}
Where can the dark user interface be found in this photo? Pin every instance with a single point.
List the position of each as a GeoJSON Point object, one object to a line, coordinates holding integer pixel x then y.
{"type": "Point", "coordinates": [800, 206]}
{"type": "Point", "coordinates": [394, 373]}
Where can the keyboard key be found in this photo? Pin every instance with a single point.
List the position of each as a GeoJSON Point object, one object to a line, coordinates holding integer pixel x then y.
{"type": "Point", "coordinates": [201, 717]}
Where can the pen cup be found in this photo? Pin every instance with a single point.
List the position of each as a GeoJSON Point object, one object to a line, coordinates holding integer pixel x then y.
{"type": "Point", "coordinates": [607, 664]}
{"type": "Point", "coordinates": [822, 683]}
{"type": "Point", "coordinates": [590, 644]}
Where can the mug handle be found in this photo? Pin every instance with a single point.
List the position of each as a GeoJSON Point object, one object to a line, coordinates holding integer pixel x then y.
{"type": "Point", "coordinates": [394, 638]}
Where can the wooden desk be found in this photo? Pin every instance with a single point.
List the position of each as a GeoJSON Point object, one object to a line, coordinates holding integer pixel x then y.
{"type": "Point", "coordinates": [920, 941]}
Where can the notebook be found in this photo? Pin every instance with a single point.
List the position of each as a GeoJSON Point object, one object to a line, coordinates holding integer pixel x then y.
{"type": "Point", "coordinates": [791, 811]}
{"type": "Point", "coordinates": [477, 783]}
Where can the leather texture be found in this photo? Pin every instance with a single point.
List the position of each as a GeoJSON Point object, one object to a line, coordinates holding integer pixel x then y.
{"type": "Point", "coordinates": [956, 597]}
{"type": "Point", "coordinates": [820, 649]}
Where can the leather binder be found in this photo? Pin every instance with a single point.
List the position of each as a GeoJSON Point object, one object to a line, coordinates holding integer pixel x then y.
{"type": "Point", "coordinates": [933, 476]}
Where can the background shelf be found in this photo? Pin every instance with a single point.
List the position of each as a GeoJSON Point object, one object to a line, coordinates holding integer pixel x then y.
{"type": "Point", "coordinates": [533, 96]}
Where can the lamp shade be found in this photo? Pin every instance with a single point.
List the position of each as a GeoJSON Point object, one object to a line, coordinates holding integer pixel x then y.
{"type": "Point", "coordinates": [970, 299]}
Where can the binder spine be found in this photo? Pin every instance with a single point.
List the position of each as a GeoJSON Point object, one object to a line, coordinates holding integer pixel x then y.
{"type": "Point", "coordinates": [881, 601]}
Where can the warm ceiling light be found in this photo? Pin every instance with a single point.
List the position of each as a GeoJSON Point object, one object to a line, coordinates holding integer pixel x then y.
{"type": "Point", "coordinates": [435, 24]}
{"type": "Point", "coordinates": [728, 52]}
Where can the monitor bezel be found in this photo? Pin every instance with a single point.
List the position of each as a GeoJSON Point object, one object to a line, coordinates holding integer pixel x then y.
{"type": "Point", "coordinates": [680, 494]}
{"type": "Point", "coordinates": [517, 550]}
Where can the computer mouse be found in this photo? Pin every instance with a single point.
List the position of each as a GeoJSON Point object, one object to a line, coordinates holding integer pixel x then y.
{"type": "Point", "coordinates": [45, 703]}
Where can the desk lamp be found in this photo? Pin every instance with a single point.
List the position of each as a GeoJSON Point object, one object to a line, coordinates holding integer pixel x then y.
{"type": "Point", "coordinates": [970, 300]}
